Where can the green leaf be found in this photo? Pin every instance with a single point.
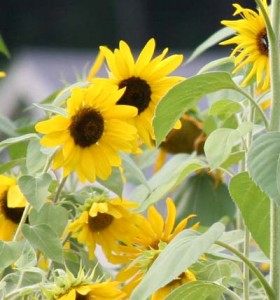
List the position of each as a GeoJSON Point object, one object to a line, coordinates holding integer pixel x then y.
{"type": "Point", "coordinates": [114, 183]}
{"type": "Point", "coordinates": [35, 158]}
{"type": "Point", "coordinates": [188, 246]}
{"type": "Point", "coordinates": [9, 253]}
{"type": "Point", "coordinates": [263, 163]}
{"type": "Point", "coordinates": [45, 239]}
{"type": "Point", "coordinates": [173, 180]}
{"type": "Point", "coordinates": [197, 290]}
{"type": "Point", "coordinates": [3, 48]}
{"type": "Point", "coordinates": [11, 164]}
{"type": "Point", "coordinates": [220, 142]}
{"type": "Point", "coordinates": [254, 206]}
{"type": "Point", "coordinates": [25, 137]}
{"type": "Point", "coordinates": [35, 189]}
{"type": "Point", "coordinates": [211, 41]}
{"type": "Point", "coordinates": [51, 108]}
{"type": "Point", "coordinates": [200, 195]}
{"type": "Point", "coordinates": [224, 108]}
{"type": "Point", "coordinates": [216, 63]}
{"type": "Point", "coordinates": [233, 159]}
{"type": "Point", "coordinates": [28, 257]}
{"type": "Point", "coordinates": [184, 95]}
{"type": "Point", "coordinates": [52, 215]}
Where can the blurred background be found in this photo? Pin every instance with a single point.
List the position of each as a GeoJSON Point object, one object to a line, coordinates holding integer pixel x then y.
{"type": "Point", "coordinates": [51, 41]}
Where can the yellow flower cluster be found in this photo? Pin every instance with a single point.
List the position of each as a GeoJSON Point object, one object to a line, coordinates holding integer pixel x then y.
{"type": "Point", "coordinates": [110, 114]}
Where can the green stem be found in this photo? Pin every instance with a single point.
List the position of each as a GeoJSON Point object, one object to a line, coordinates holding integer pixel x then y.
{"type": "Point", "coordinates": [273, 38]}
{"type": "Point", "coordinates": [59, 189]}
{"type": "Point", "coordinates": [253, 268]}
{"type": "Point", "coordinates": [22, 221]}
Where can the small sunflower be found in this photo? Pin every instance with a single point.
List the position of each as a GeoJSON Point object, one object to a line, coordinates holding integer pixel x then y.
{"type": "Point", "coordinates": [107, 223]}
{"type": "Point", "coordinates": [2, 74]}
{"type": "Point", "coordinates": [252, 48]}
{"type": "Point", "coordinates": [12, 204]}
{"type": "Point", "coordinates": [157, 233]}
{"type": "Point", "coordinates": [83, 286]}
{"type": "Point", "coordinates": [145, 80]}
{"type": "Point", "coordinates": [91, 133]}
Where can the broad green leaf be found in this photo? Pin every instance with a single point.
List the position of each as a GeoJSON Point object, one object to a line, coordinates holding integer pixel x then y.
{"type": "Point", "coordinates": [114, 183]}
{"type": "Point", "coordinates": [217, 37]}
{"type": "Point", "coordinates": [198, 290]}
{"type": "Point", "coordinates": [35, 189]}
{"type": "Point", "coordinates": [224, 108]}
{"type": "Point", "coordinates": [52, 215]}
{"type": "Point", "coordinates": [220, 142]}
{"type": "Point", "coordinates": [9, 253]}
{"type": "Point", "coordinates": [263, 163]}
{"type": "Point", "coordinates": [216, 63]}
{"type": "Point", "coordinates": [254, 206]}
{"type": "Point", "coordinates": [25, 137]}
{"type": "Point", "coordinates": [28, 257]}
{"type": "Point", "coordinates": [184, 95]}
{"type": "Point", "coordinates": [45, 239]}
{"type": "Point", "coordinates": [7, 126]}
{"type": "Point", "coordinates": [173, 180]}
{"type": "Point", "coordinates": [3, 48]}
{"type": "Point", "coordinates": [35, 158]}
{"type": "Point", "coordinates": [188, 246]}
{"type": "Point", "coordinates": [234, 158]}
{"type": "Point", "coordinates": [218, 145]}
{"type": "Point", "coordinates": [208, 199]}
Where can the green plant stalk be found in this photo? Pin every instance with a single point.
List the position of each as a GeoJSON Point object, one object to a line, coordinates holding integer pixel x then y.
{"type": "Point", "coordinates": [59, 189]}
{"type": "Point", "coordinates": [273, 38]}
{"type": "Point", "coordinates": [252, 267]}
{"type": "Point", "coordinates": [22, 221]}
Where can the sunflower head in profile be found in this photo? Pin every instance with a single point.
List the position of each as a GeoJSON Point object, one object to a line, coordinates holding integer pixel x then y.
{"type": "Point", "coordinates": [12, 204]}
{"type": "Point", "coordinates": [252, 48]}
{"type": "Point", "coordinates": [157, 233]}
{"type": "Point", "coordinates": [90, 133]}
{"type": "Point", "coordinates": [106, 222]}
{"type": "Point", "coordinates": [69, 287]}
{"type": "Point", "coordinates": [145, 80]}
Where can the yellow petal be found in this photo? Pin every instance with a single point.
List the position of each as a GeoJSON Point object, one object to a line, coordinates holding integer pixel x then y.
{"type": "Point", "coordinates": [15, 197]}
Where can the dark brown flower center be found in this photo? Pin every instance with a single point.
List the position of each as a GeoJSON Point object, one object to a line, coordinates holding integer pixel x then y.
{"type": "Point", "coordinates": [13, 214]}
{"type": "Point", "coordinates": [100, 222]}
{"type": "Point", "coordinates": [87, 127]}
{"type": "Point", "coordinates": [262, 42]}
{"type": "Point", "coordinates": [81, 297]}
{"type": "Point", "coordinates": [137, 93]}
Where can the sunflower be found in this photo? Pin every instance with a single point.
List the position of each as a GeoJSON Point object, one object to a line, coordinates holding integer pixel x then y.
{"type": "Point", "coordinates": [107, 223]}
{"type": "Point", "coordinates": [145, 79]}
{"type": "Point", "coordinates": [12, 203]}
{"type": "Point", "coordinates": [91, 132]}
{"type": "Point", "coordinates": [83, 286]}
{"type": "Point", "coordinates": [252, 48]}
{"type": "Point", "coordinates": [2, 74]}
{"type": "Point", "coordinates": [157, 233]}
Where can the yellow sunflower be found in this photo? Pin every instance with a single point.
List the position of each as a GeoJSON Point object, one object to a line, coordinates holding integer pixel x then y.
{"type": "Point", "coordinates": [252, 48]}
{"type": "Point", "coordinates": [145, 79]}
{"type": "Point", "coordinates": [68, 287]}
{"type": "Point", "coordinates": [157, 233]}
{"type": "Point", "coordinates": [12, 203]}
{"type": "Point", "coordinates": [185, 277]}
{"type": "Point", "coordinates": [107, 223]}
{"type": "Point", "coordinates": [2, 74]}
{"type": "Point", "coordinates": [91, 133]}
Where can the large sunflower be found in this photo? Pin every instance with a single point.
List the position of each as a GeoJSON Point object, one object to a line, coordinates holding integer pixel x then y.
{"type": "Point", "coordinates": [145, 79]}
{"type": "Point", "coordinates": [107, 223]}
{"type": "Point", "coordinates": [12, 203]}
{"type": "Point", "coordinates": [91, 132]}
{"type": "Point", "coordinates": [157, 233]}
{"type": "Point", "coordinates": [252, 48]}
